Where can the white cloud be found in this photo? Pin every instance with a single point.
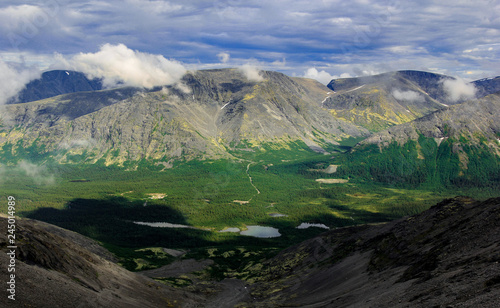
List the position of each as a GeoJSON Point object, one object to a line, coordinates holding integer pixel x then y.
{"type": "Point", "coordinates": [223, 57]}
{"type": "Point", "coordinates": [406, 50]}
{"type": "Point", "coordinates": [458, 89]}
{"type": "Point", "coordinates": [322, 76]}
{"type": "Point", "coordinates": [299, 14]}
{"type": "Point", "coordinates": [183, 87]}
{"type": "Point", "coordinates": [28, 60]}
{"type": "Point", "coordinates": [410, 96]}
{"type": "Point", "coordinates": [39, 174]}
{"type": "Point", "coordinates": [78, 143]}
{"type": "Point", "coordinates": [155, 6]}
{"type": "Point", "coordinates": [13, 80]}
{"type": "Point", "coordinates": [119, 65]}
{"type": "Point", "coordinates": [279, 63]}
{"type": "Point", "coordinates": [251, 72]}
{"type": "Point", "coordinates": [341, 21]}
{"type": "Point", "coordinates": [17, 12]}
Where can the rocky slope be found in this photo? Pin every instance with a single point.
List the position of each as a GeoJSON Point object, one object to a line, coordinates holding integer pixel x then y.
{"type": "Point", "coordinates": [207, 115]}
{"type": "Point", "coordinates": [473, 123]}
{"type": "Point", "coordinates": [447, 256]}
{"type": "Point", "coordinates": [487, 86]}
{"type": "Point", "coordinates": [59, 268]}
{"type": "Point", "coordinates": [454, 147]}
{"type": "Point", "coordinates": [381, 101]}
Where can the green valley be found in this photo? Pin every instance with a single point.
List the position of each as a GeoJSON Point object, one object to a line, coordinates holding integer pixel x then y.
{"type": "Point", "coordinates": [103, 202]}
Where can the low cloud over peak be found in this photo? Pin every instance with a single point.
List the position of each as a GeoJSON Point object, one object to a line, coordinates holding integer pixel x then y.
{"type": "Point", "coordinates": [409, 96]}
{"type": "Point", "coordinates": [251, 72]}
{"type": "Point", "coordinates": [120, 65]}
{"type": "Point", "coordinates": [223, 57]}
{"type": "Point", "coordinates": [322, 76]}
{"type": "Point", "coordinates": [458, 89]}
{"type": "Point", "coordinates": [13, 79]}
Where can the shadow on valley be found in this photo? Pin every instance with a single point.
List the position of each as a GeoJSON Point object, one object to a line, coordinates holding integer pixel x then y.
{"type": "Point", "coordinates": [111, 220]}
{"type": "Point", "coordinates": [291, 235]}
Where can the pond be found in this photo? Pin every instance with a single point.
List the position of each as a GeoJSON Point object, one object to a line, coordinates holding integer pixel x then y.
{"type": "Point", "coordinates": [261, 232]}
{"type": "Point", "coordinates": [231, 230]}
{"type": "Point", "coordinates": [277, 215]}
{"type": "Point", "coordinates": [255, 231]}
{"type": "Point", "coordinates": [162, 225]}
{"type": "Point", "coordinates": [306, 225]}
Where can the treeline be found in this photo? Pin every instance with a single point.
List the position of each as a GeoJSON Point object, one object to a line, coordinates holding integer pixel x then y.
{"type": "Point", "coordinates": [423, 163]}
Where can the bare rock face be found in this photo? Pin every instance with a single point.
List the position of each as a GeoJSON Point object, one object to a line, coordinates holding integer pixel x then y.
{"type": "Point", "coordinates": [59, 268]}
{"type": "Point", "coordinates": [447, 256]}
{"type": "Point", "coordinates": [204, 116]}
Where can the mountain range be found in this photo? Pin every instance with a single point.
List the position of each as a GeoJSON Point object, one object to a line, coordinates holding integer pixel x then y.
{"type": "Point", "coordinates": [207, 115]}
{"type": "Point", "coordinates": [380, 101]}
{"type": "Point", "coordinates": [212, 114]}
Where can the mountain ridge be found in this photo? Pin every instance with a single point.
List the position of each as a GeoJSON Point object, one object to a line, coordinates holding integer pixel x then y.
{"type": "Point", "coordinates": [56, 267]}
{"type": "Point", "coordinates": [424, 260]}
{"type": "Point", "coordinates": [206, 115]}
{"type": "Point", "coordinates": [471, 118]}
{"type": "Point", "coordinates": [218, 113]}
{"type": "Point", "coordinates": [380, 101]}
{"type": "Point", "coordinates": [454, 147]}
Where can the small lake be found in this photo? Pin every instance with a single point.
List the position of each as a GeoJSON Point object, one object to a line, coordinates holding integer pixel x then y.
{"type": "Point", "coordinates": [306, 225]}
{"type": "Point", "coordinates": [277, 215]}
{"type": "Point", "coordinates": [161, 225]}
{"type": "Point", "coordinates": [261, 232]}
{"type": "Point", "coordinates": [255, 231]}
{"type": "Point", "coordinates": [231, 230]}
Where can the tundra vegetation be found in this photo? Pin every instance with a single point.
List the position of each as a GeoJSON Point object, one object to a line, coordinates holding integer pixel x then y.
{"type": "Point", "coordinates": [103, 202]}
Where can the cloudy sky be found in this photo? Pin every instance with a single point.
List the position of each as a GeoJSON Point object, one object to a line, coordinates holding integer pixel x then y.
{"type": "Point", "coordinates": [321, 39]}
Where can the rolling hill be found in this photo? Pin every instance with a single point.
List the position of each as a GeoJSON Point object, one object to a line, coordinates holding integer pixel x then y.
{"type": "Point", "coordinates": [59, 268]}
